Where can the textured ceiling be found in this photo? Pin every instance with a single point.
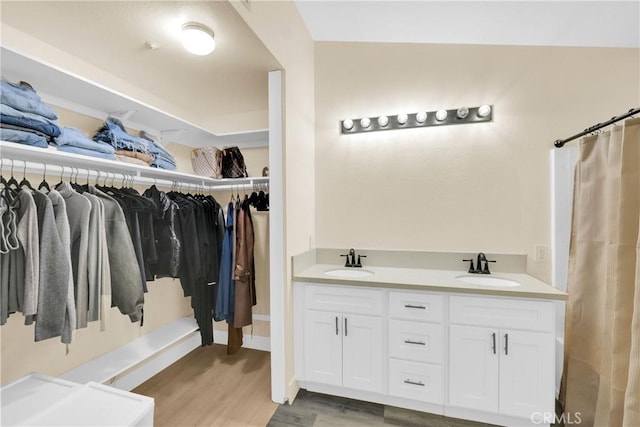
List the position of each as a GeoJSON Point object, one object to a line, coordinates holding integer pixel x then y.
{"type": "Point", "coordinates": [535, 23]}
{"type": "Point", "coordinates": [112, 35]}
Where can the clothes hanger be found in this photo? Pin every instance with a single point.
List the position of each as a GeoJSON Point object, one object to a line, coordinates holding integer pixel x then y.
{"type": "Point", "coordinates": [44, 185]}
{"type": "Point", "coordinates": [25, 182]}
{"type": "Point", "coordinates": [13, 183]}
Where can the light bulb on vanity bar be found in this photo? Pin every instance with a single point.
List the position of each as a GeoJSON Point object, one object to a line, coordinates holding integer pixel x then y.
{"type": "Point", "coordinates": [365, 123]}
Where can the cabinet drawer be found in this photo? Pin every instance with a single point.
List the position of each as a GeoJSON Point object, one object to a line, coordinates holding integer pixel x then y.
{"type": "Point", "coordinates": [417, 381]}
{"type": "Point", "coordinates": [345, 299]}
{"type": "Point", "coordinates": [415, 306]}
{"type": "Point", "coordinates": [502, 313]}
{"type": "Point", "coordinates": [417, 341]}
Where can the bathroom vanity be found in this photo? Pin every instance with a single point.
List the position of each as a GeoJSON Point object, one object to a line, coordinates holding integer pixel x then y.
{"type": "Point", "coordinates": [435, 340]}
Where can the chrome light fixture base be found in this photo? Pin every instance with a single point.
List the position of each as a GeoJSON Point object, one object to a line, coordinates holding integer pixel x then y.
{"type": "Point", "coordinates": [481, 114]}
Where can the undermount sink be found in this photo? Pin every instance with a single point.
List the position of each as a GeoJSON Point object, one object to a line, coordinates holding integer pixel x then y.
{"type": "Point", "coordinates": [488, 281]}
{"type": "Point", "coordinates": [348, 272]}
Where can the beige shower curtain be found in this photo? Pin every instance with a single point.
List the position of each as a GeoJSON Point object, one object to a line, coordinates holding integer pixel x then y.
{"type": "Point", "coordinates": [601, 379]}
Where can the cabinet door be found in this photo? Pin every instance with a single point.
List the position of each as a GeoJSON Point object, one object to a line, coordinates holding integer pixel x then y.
{"type": "Point", "coordinates": [473, 368]}
{"type": "Point", "coordinates": [526, 373]}
{"type": "Point", "coordinates": [323, 347]}
{"type": "Point", "coordinates": [362, 352]}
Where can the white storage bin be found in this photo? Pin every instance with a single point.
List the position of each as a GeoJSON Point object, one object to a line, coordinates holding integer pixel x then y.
{"type": "Point", "coordinates": [34, 392]}
{"type": "Point", "coordinates": [40, 400]}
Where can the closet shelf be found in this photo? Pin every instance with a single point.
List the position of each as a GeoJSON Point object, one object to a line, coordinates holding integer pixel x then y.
{"type": "Point", "coordinates": [67, 90]}
{"type": "Point", "coordinates": [38, 160]}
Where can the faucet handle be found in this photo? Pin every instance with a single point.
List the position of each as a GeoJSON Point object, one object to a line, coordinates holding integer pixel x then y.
{"type": "Point", "coordinates": [359, 264]}
{"type": "Point", "coordinates": [471, 267]}
{"type": "Point", "coordinates": [347, 263]}
{"type": "Point", "coordinates": [486, 266]}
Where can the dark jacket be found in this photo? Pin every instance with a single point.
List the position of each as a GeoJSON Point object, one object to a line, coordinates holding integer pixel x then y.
{"type": "Point", "coordinates": [168, 248]}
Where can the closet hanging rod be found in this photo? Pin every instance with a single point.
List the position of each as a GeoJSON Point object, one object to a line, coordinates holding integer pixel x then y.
{"type": "Point", "coordinates": [38, 156]}
{"type": "Point", "coordinates": [560, 142]}
{"type": "Point", "coordinates": [20, 167]}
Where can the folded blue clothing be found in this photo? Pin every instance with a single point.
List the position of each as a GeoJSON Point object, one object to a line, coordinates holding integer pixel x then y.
{"type": "Point", "coordinates": [22, 137]}
{"type": "Point", "coordinates": [76, 138]}
{"type": "Point", "coordinates": [86, 152]}
{"type": "Point", "coordinates": [44, 127]}
{"type": "Point", "coordinates": [163, 159]}
{"type": "Point", "coordinates": [112, 132]}
{"type": "Point", "coordinates": [9, 111]}
{"type": "Point", "coordinates": [24, 98]}
{"type": "Point", "coordinates": [161, 163]}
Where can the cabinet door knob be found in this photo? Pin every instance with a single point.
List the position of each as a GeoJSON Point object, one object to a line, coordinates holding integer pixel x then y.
{"type": "Point", "coordinates": [420, 383]}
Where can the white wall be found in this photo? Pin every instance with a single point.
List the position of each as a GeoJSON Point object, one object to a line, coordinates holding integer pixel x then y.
{"type": "Point", "coordinates": [481, 187]}
{"type": "Point", "coordinates": [281, 29]}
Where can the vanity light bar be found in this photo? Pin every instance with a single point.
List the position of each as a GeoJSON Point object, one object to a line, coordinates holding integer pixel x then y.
{"type": "Point", "coordinates": [462, 115]}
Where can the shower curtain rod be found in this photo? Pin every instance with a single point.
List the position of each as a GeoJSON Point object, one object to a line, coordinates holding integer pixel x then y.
{"type": "Point", "coordinates": [560, 142]}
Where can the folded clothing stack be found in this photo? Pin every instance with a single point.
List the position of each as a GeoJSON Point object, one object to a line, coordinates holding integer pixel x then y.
{"type": "Point", "coordinates": [72, 140]}
{"type": "Point", "coordinates": [163, 159]}
{"type": "Point", "coordinates": [113, 133]}
{"type": "Point", "coordinates": [24, 118]}
{"type": "Point", "coordinates": [134, 149]}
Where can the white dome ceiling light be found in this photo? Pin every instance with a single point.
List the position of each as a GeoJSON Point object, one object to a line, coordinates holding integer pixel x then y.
{"type": "Point", "coordinates": [198, 38]}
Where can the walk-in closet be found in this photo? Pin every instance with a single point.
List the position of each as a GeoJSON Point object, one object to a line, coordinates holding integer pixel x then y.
{"type": "Point", "coordinates": [155, 270]}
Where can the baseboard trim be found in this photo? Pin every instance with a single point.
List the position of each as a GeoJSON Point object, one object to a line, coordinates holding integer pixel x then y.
{"type": "Point", "coordinates": [248, 341]}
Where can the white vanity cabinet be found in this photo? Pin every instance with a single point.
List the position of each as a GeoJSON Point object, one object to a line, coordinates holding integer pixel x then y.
{"type": "Point", "coordinates": [416, 346]}
{"type": "Point", "coordinates": [501, 355]}
{"type": "Point", "coordinates": [480, 357]}
{"type": "Point", "coordinates": [343, 337]}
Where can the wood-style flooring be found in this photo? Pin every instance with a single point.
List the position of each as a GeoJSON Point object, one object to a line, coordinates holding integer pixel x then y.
{"type": "Point", "coordinates": [209, 388]}
{"type": "Point", "coordinates": [320, 410]}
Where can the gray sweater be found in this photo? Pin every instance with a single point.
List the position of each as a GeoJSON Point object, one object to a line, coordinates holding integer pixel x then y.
{"type": "Point", "coordinates": [54, 273]}
{"type": "Point", "coordinates": [78, 211]}
{"type": "Point", "coordinates": [126, 290]}
{"type": "Point", "coordinates": [62, 222]}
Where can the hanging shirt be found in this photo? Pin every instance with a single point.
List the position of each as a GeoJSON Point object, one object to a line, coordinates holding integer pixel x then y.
{"type": "Point", "coordinates": [225, 295]}
{"type": "Point", "coordinates": [28, 237]}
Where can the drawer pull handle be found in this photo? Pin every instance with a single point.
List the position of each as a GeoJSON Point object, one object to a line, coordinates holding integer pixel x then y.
{"type": "Point", "coordinates": [414, 342]}
{"type": "Point", "coordinates": [336, 325]}
{"type": "Point", "coordinates": [345, 327]}
{"type": "Point", "coordinates": [421, 307]}
{"type": "Point", "coordinates": [420, 383]}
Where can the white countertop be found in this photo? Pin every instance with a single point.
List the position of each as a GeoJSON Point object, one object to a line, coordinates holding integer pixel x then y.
{"type": "Point", "coordinates": [433, 280]}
